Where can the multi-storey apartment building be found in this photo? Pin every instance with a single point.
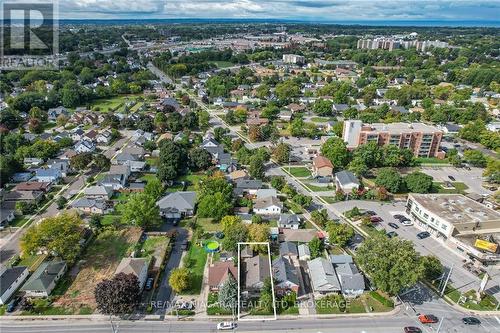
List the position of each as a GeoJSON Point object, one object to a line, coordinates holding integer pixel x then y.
{"type": "Point", "coordinates": [423, 140]}
{"type": "Point", "coordinates": [293, 59]}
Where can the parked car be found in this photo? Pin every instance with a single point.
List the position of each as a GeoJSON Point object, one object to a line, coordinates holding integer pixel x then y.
{"type": "Point", "coordinates": [407, 222]}
{"type": "Point", "coordinates": [393, 225]}
{"type": "Point", "coordinates": [428, 319]}
{"type": "Point", "coordinates": [423, 234]}
{"type": "Point", "coordinates": [471, 321]}
{"type": "Point", "coordinates": [392, 234]}
{"type": "Point", "coordinates": [149, 283]}
{"type": "Point", "coordinates": [12, 304]}
{"type": "Point", "coordinates": [452, 178]}
{"type": "Point", "coordinates": [370, 212]}
{"type": "Point", "coordinates": [376, 219]}
{"type": "Point", "coordinates": [226, 325]}
{"type": "Point", "coordinates": [399, 217]}
{"type": "Point", "coordinates": [412, 329]}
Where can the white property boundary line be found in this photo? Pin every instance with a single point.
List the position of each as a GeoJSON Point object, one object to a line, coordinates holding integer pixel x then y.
{"type": "Point", "coordinates": [272, 281]}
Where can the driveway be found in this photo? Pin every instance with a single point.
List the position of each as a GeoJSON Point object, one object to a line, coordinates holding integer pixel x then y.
{"type": "Point", "coordinates": [472, 178]}
{"type": "Point", "coordinates": [461, 278]}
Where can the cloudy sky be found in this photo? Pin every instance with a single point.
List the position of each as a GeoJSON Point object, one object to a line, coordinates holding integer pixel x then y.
{"type": "Point", "coordinates": [324, 10]}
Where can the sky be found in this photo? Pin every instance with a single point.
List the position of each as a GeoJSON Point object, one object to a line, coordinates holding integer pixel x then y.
{"type": "Point", "coordinates": [311, 10]}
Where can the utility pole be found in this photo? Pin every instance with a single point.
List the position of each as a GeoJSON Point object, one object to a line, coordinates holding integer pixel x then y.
{"type": "Point", "coordinates": [447, 279]}
{"type": "Point", "coordinates": [439, 327]}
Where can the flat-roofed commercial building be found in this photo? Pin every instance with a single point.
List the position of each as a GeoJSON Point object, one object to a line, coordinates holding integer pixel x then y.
{"type": "Point", "coordinates": [423, 140]}
{"type": "Point", "coordinates": [466, 226]}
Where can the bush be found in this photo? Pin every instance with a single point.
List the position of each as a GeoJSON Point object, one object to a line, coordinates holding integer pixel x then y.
{"type": "Point", "coordinates": [384, 301]}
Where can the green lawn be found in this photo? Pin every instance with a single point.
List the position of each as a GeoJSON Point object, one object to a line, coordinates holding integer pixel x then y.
{"type": "Point", "coordinates": [293, 207]}
{"type": "Point", "coordinates": [334, 304]}
{"type": "Point", "coordinates": [222, 64]}
{"type": "Point", "coordinates": [43, 306]}
{"type": "Point", "coordinates": [110, 219]}
{"type": "Point", "coordinates": [321, 119]}
{"type": "Point", "coordinates": [459, 187]}
{"type": "Point", "coordinates": [18, 221]}
{"type": "Point", "coordinates": [213, 309]}
{"type": "Point", "coordinates": [148, 177]}
{"type": "Point", "coordinates": [208, 224]}
{"type": "Point", "coordinates": [114, 103]}
{"type": "Point", "coordinates": [430, 160]}
{"type": "Point", "coordinates": [136, 106]}
{"type": "Point", "coordinates": [153, 161]}
{"type": "Point", "coordinates": [195, 261]}
{"type": "Point", "coordinates": [329, 200]}
{"type": "Point", "coordinates": [192, 180]}
{"type": "Point", "coordinates": [315, 188]}
{"type": "Point", "coordinates": [152, 243]}
{"type": "Point", "coordinates": [301, 172]}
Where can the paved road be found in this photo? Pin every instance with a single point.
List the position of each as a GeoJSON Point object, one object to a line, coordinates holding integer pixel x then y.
{"type": "Point", "coordinates": [11, 246]}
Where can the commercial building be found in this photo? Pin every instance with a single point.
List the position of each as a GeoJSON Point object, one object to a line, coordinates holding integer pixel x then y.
{"type": "Point", "coordinates": [466, 226]}
{"type": "Point", "coordinates": [293, 59]}
{"type": "Point", "coordinates": [388, 43]}
{"type": "Point", "coordinates": [423, 140]}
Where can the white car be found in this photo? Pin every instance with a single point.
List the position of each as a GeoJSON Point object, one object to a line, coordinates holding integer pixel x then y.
{"type": "Point", "coordinates": [407, 223]}
{"type": "Point", "coordinates": [227, 325]}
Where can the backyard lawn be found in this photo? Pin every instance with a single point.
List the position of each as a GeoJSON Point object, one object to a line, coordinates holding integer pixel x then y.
{"type": "Point", "coordinates": [300, 172]}
{"type": "Point", "coordinates": [222, 64]}
{"type": "Point", "coordinates": [114, 103]}
{"type": "Point", "coordinates": [321, 119]}
{"type": "Point", "coordinates": [194, 261]}
{"type": "Point", "coordinates": [191, 181]}
{"type": "Point", "coordinates": [315, 188]}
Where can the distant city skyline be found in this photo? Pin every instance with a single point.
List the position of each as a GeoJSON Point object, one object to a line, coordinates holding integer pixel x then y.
{"type": "Point", "coordinates": [358, 11]}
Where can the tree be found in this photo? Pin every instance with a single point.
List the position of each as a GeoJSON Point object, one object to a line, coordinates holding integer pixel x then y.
{"type": "Point", "coordinates": [358, 167]}
{"type": "Point", "coordinates": [59, 234]}
{"type": "Point", "coordinates": [233, 235]}
{"type": "Point", "coordinates": [418, 182]}
{"type": "Point", "coordinates": [303, 200]}
{"type": "Point", "coordinates": [492, 170]}
{"type": "Point", "coordinates": [392, 263]}
{"type": "Point", "coordinates": [323, 107]}
{"type": "Point", "coordinates": [287, 90]}
{"type": "Point", "coordinates": [95, 222]}
{"type": "Point", "coordinates": [472, 131]}
{"type": "Point", "coordinates": [199, 159]}
{"type": "Point", "coordinates": [154, 188]}
{"type": "Point", "coordinates": [216, 183]}
{"type": "Point", "coordinates": [229, 221]}
{"type": "Point", "coordinates": [61, 202]}
{"type": "Point", "coordinates": [390, 179]}
{"type": "Point", "coordinates": [81, 161]}
{"type": "Point", "coordinates": [258, 233]}
{"type": "Point", "coordinates": [336, 151]}
{"type": "Point", "coordinates": [316, 247]}
{"type": "Point", "coordinates": [179, 279]}
{"type": "Point", "coordinates": [102, 162]}
{"type": "Point", "coordinates": [433, 269]}
{"type": "Point", "coordinates": [339, 233]}
{"type": "Point", "coordinates": [215, 206]}
{"type": "Point", "coordinates": [281, 153]}
{"type": "Point", "coordinates": [118, 295]}
{"type": "Point", "coordinates": [320, 217]}
{"type": "Point", "coordinates": [475, 158]}
{"type": "Point", "coordinates": [370, 154]}
{"type": "Point", "coordinates": [141, 210]}
{"type": "Point", "coordinates": [172, 160]}
{"type": "Point", "coordinates": [228, 293]}
{"type": "Point", "coordinates": [203, 120]}
{"type": "Point", "coordinates": [256, 167]}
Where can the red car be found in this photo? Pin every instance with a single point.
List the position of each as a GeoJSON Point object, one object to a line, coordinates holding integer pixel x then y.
{"type": "Point", "coordinates": [428, 319]}
{"type": "Point", "coordinates": [376, 219]}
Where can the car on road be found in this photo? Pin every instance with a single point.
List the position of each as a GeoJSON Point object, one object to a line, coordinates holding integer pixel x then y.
{"type": "Point", "coordinates": [428, 319]}
{"type": "Point", "coordinates": [12, 304]}
{"type": "Point", "coordinates": [393, 225]}
{"type": "Point", "coordinates": [471, 321]}
{"type": "Point", "coordinates": [376, 219]}
{"type": "Point", "coordinates": [406, 222]}
{"type": "Point", "coordinates": [149, 283]}
{"type": "Point", "coordinates": [423, 235]}
{"type": "Point", "coordinates": [392, 234]}
{"type": "Point", "coordinates": [412, 329]}
{"type": "Point", "coordinates": [226, 325]}
{"type": "Point", "coordinates": [452, 178]}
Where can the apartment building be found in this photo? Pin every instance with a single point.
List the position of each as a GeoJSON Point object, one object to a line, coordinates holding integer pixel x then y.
{"type": "Point", "coordinates": [423, 140]}
{"type": "Point", "coordinates": [293, 59]}
{"type": "Point", "coordinates": [468, 227]}
{"type": "Point", "coordinates": [395, 43]}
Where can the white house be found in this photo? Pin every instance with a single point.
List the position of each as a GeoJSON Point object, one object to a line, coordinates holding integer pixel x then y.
{"type": "Point", "coordinates": [267, 206]}
{"type": "Point", "coordinates": [84, 146]}
{"type": "Point", "coordinates": [136, 266]}
{"type": "Point", "coordinates": [346, 181]}
{"type": "Point", "coordinates": [10, 280]}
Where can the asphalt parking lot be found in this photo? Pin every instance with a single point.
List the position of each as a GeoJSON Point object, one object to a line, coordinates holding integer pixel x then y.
{"type": "Point", "coordinates": [461, 278]}
{"type": "Point", "coordinates": [472, 178]}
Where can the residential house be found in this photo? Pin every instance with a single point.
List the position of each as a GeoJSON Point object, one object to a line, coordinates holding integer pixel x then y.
{"type": "Point", "coordinates": [44, 279]}
{"type": "Point", "coordinates": [304, 252]}
{"type": "Point", "coordinates": [322, 167]}
{"type": "Point", "coordinates": [300, 235]}
{"type": "Point", "coordinates": [26, 196]}
{"type": "Point", "coordinates": [339, 108]}
{"type": "Point", "coordinates": [98, 192]}
{"type": "Point", "coordinates": [286, 275]}
{"type": "Point", "coordinates": [219, 272]}
{"type": "Point", "coordinates": [289, 221]}
{"type": "Point", "coordinates": [33, 186]}
{"type": "Point", "coordinates": [294, 108]}
{"type": "Point", "coordinates": [351, 280]}
{"type": "Point", "coordinates": [238, 174]}
{"type": "Point", "coordinates": [104, 137]}
{"type": "Point", "coordinates": [266, 192]}
{"type": "Point", "coordinates": [59, 164]}
{"type": "Point", "coordinates": [267, 206]}
{"type": "Point", "coordinates": [53, 113]}
{"type": "Point", "coordinates": [10, 280]}
{"type": "Point", "coordinates": [77, 134]}
{"type": "Point", "coordinates": [136, 266]}
{"type": "Point", "coordinates": [346, 181]}
{"type": "Point", "coordinates": [177, 205]}
{"type": "Point", "coordinates": [254, 119]}
{"type": "Point", "coordinates": [6, 216]}
{"type": "Point", "coordinates": [256, 270]}
{"type": "Point", "coordinates": [32, 162]}
{"type": "Point", "coordinates": [21, 177]}
{"type": "Point", "coordinates": [91, 135]}
{"type": "Point", "coordinates": [48, 175]}
{"type": "Point", "coordinates": [247, 186]}
{"type": "Point", "coordinates": [213, 147]}
{"type": "Point", "coordinates": [121, 169]}
{"type": "Point", "coordinates": [246, 252]}
{"type": "Point", "coordinates": [226, 163]}
{"type": "Point", "coordinates": [84, 146]}
{"type": "Point", "coordinates": [289, 249]}
{"type": "Point", "coordinates": [115, 181]}
{"type": "Point", "coordinates": [323, 277]}
{"type": "Point", "coordinates": [91, 206]}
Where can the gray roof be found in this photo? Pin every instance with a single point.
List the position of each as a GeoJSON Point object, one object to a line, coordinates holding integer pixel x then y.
{"type": "Point", "coordinates": [99, 190]}
{"type": "Point", "coordinates": [288, 248]}
{"type": "Point", "coordinates": [249, 184]}
{"type": "Point", "coordinates": [182, 201]}
{"type": "Point", "coordinates": [348, 274]}
{"type": "Point", "coordinates": [256, 270]}
{"type": "Point", "coordinates": [88, 203]}
{"type": "Point", "coordinates": [289, 219]}
{"type": "Point", "coordinates": [283, 270]}
{"type": "Point", "coordinates": [9, 276]}
{"type": "Point", "coordinates": [346, 177]}
{"type": "Point", "coordinates": [304, 250]}
{"type": "Point", "coordinates": [323, 277]}
{"type": "Point", "coordinates": [43, 277]}
{"type": "Point", "coordinates": [340, 259]}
